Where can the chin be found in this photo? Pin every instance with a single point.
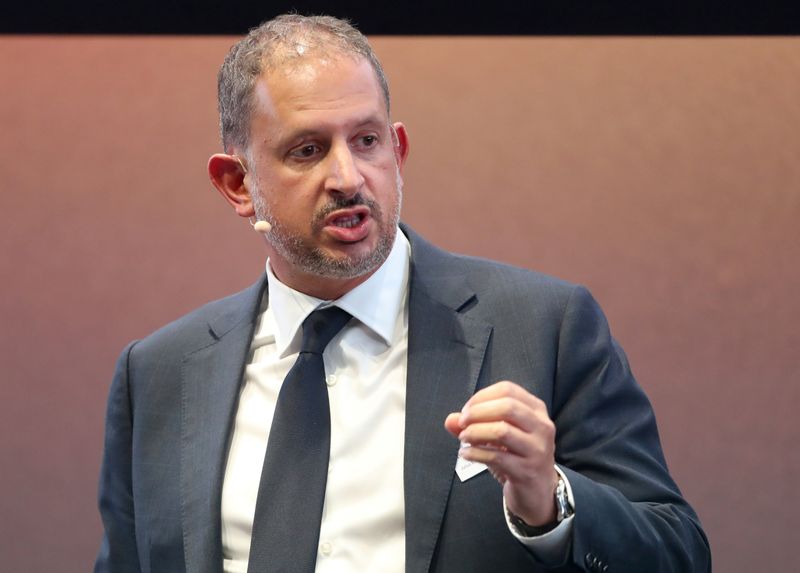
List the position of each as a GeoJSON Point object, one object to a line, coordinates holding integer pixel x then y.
{"type": "Point", "coordinates": [354, 263]}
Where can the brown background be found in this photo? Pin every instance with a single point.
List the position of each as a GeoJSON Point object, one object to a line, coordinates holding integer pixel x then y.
{"type": "Point", "coordinates": [663, 173]}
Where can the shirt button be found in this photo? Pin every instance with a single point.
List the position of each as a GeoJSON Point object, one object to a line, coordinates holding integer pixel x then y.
{"type": "Point", "coordinates": [326, 548]}
{"type": "Point", "coordinates": [330, 379]}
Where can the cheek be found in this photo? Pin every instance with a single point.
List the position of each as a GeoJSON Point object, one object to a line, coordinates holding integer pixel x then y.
{"type": "Point", "coordinates": [293, 205]}
{"type": "Point", "coordinates": [382, 178]}
{"type": "Point", "coordinates": [281, 192]}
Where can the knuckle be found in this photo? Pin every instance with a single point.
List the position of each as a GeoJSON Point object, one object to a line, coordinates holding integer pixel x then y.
{"type": "Point", "coordinates": [506, 387]}
{"type": "Point", "coordinates": [502, 431]}
{"type": "Point", "coordinates": [548, 431]}
{"type": "Point", "coordinates": [508, 407]}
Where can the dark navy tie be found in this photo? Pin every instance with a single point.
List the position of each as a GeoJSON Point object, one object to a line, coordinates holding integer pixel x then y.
{"type": "Point", "coordinates": [292, 488]}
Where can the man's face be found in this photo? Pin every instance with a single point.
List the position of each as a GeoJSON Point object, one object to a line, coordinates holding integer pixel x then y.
{"type": "Point", "coordinates": [324, 171]}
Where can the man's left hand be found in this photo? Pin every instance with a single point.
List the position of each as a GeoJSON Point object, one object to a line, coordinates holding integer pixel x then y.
{"type": "Point", "coordinates": [508, 429]}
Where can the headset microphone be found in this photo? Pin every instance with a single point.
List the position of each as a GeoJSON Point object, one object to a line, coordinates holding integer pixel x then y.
{"type": "Point", "coordinates": [258, 226]}
{"type": "Point", "coordinates": [262, 227]}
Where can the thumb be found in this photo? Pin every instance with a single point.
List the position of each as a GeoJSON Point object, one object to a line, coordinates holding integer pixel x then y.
{"type": "Point", "coordinates": [452, 423]}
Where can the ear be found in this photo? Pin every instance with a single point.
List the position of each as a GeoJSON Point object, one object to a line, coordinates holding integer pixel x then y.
{"type": "Point", "coordinates": [228, 174]}
{"type": "Point", "coordinates": [400, 143]}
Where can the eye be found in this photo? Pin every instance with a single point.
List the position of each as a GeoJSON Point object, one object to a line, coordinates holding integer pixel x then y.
{"type": "Point", "coordinates": [369, 140]}
{"type": "Point", "coordinates": [305, 151]}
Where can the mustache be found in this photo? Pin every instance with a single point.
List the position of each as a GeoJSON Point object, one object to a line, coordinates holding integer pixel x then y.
{"type": "Point", "coordinates": [342, 203]}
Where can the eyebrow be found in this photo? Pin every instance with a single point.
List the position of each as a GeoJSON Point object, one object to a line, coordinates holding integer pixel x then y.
{"type": "Point", "coordinates": [315, 131]}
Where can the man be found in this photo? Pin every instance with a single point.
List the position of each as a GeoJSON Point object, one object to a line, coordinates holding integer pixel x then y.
{"type": "Point", "coordinates": [519, 368]}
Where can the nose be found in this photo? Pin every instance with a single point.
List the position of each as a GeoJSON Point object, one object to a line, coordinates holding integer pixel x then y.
{"type": "Point", "coordinates": [344, 177]}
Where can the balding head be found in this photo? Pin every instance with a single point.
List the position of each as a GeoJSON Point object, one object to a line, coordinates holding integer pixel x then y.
{"type": "Point", "coordinates": [280, 43]}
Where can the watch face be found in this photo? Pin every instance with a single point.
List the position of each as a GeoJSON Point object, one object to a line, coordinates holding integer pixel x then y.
{"type": "Point", "coordinates": [562, 501]}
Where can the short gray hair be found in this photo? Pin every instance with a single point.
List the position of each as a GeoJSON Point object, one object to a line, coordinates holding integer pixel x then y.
{"type": "Point", "coordinates": [275, 43]}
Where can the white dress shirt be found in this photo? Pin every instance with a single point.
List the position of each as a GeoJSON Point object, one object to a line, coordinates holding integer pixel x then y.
{"type": "Point", "coordinates": [363, 517]}
{"type": "Point", "coordinates": [362, 525]}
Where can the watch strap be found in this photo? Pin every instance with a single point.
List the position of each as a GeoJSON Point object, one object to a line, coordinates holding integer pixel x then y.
{"type": "Point", "coordinates": [563, 511]}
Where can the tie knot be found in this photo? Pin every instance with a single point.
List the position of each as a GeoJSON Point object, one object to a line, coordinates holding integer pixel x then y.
{"type": "Point", "coordinates": [321, 326]}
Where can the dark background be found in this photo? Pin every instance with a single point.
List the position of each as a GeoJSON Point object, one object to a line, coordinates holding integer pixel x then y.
{"type": "Point", "coordinates": [503, 17]}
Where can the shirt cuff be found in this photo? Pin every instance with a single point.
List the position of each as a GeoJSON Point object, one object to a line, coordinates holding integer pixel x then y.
{"type": "Point", "coordinates": [550, 547]}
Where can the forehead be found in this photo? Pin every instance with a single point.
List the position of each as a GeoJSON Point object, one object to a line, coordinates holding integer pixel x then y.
{"type": "Point", "coordinates": [315, 93]}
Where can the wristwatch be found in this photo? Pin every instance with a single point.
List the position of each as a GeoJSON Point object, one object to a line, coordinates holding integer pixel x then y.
{"type": "Point", "coordinates": [563, 511]}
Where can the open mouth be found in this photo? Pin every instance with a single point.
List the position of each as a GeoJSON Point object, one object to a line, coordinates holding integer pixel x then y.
{"type": "Point", "coordinates": [347, 218]}
{"type": "Point", "coordinates": [348, 221]}
{"type": "Point", "coordinates": [349, 225]}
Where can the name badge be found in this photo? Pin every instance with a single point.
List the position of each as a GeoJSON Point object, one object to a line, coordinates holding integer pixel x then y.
{"type": "Point", "coordinates": [466, 469]}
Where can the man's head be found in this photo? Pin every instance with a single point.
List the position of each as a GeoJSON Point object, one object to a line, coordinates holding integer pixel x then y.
{"type": "Point", "coordinates": [275, 44]}
{"type": "Point", "coordinates": [310, 149]}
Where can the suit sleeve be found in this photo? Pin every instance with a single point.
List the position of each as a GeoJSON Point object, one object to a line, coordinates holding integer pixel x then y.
{"type": "Point", "coordinates": [629, 513]}
{"type": "Point", "coordinates": [118, 551]}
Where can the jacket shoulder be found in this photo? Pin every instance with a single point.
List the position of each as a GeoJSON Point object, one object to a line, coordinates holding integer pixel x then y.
{"type": "Point", "coordinates": [494, 283]}
{"type": "Point", "coordinates": [205, 324]}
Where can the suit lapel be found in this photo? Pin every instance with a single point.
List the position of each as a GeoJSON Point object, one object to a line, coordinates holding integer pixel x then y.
{"type": "Point", "coordinates": [446, 348]}
{"type": "Point", "coordinates": [445, 356]}
{"type": "Point", "coordinates": [211, 379]}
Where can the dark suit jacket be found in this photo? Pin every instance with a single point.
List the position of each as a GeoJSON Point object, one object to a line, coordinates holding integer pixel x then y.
{"type": "Point", "coordinates": [471, 323]}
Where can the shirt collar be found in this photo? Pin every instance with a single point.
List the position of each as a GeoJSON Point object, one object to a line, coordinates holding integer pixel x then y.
{"type": "Point", "coordinates": [378, 302]}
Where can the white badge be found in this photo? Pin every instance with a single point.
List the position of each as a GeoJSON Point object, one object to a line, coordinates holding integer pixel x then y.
{"type": "Point", "coordinates": [467, 469]}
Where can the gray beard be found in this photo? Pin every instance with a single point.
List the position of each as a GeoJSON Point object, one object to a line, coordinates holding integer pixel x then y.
{"type": "Point", "coordinates": [314, 261]}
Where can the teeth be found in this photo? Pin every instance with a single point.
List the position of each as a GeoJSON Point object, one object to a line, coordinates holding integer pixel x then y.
{"type": "Point", "coordinates": [347, 222]}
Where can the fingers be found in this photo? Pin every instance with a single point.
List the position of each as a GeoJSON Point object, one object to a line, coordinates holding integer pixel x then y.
{"type": "Point", "coordinates": [504, 437]}
{"type": "Point", "coordinates": [506, 417]}
{"type": "Point", "coordinates": [501, 401]}
{"type": "Point", "coordinates": [452, 423]}
{"type": "Point", "coordinates": [506, 402]}
{"type": "Point", "coordinates": [510, 430]}
{"type": "Point", "coordinates": [506, 428]}
{"type": "Point", "coordinates": [501, 443]}
{"type": "Point", "coordinates": [503, 390]}
{"type": "Point", "coordinates": [510, 410]}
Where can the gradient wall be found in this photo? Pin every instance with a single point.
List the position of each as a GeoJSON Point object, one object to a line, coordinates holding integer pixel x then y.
{"type": "Point", "coordinates": [662, 173]}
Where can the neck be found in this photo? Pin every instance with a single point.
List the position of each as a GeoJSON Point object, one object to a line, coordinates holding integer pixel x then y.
{"type": "Point", "coordinates": [324, 288]}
